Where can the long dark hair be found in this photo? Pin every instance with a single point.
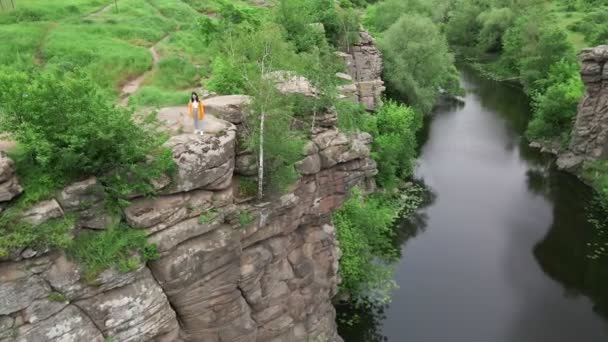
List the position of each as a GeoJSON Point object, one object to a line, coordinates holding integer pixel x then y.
{"type": "Point", "coordinates": [195, 95]}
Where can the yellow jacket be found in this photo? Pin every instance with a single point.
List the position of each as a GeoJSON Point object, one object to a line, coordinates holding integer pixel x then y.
{"type": "Point", "coordinates": [201, 109]}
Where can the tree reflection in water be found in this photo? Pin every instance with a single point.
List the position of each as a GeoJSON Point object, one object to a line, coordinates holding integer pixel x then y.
{"type": "Point", "coordinates": [564, 252]}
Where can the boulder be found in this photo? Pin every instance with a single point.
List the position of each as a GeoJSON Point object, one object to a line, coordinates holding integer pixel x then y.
{"type": "Point", "coordinates": [86, 198]}
{"type": "Point", "coordinates": [10, 189]}
{"type": "Point", "coordinates": [246, 165]}
{"type": "Point", "coordinates": [81, 194]}
{"type": "Point", "coordinates": [309, 165]}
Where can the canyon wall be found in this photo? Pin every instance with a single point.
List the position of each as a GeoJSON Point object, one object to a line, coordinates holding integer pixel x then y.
{"type": "Point", "coordinates": [589, 140]}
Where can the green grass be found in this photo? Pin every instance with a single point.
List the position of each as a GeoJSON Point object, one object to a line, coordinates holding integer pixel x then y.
{"type": "Point", "coordinates": [173, 72]}
{"type": "Point", "coordinates": [108, 60]}
{"type": "Point", "coordinates": [42, 10]}
{"type": "Point", "coordinates": [208, 216]}
{"type": "Point", "coordinates": [55, 296]}
{"type": "Point", "coordinates": [156, 97]}
{"type": "Point", "coordinates": [244, 218]}
{"type": "Point", "coordinates": [120, 246]}
{"type": "Point", "coordinates": [20, 42]}
{"type": "Point", "coordinates": [112, 44]}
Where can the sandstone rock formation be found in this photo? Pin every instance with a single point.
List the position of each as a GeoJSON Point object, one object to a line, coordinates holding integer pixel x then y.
{"type": "Point", "coordinates": [219, 278]}
{"type": "Point", "coordinates": [364, 65]}
{"type": "Point", "coordinates": [590, 132]}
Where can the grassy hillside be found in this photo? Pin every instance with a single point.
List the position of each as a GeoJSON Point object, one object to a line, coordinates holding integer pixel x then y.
{"type": "Point", "coordinates": [112, 41]}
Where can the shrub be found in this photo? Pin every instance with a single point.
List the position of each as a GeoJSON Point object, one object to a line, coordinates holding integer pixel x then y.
{"type": "Point", "coordinates": [67, 128]}
{"type": "Point", "coordinates": [394, 128]}
{"type": "Point", "coordinates": [227, 78]}
{"type": "Point", "coordinates": [365, 230]}
{"type": "Point", "coordinates": [244, 218]}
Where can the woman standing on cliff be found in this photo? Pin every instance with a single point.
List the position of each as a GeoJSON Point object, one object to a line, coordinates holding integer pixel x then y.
{"type": "Point", "coordinates": [196, 106]}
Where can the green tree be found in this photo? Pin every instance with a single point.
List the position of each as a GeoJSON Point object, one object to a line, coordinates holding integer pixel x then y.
{"type": "Point", "coordinates": [416, 67]}
{"type": "Point", "coordinates": [532, 46]}
{"type": "Point", "coordinates": [494, 23]}
{"type": "Point", "coordinates": [555, 108]}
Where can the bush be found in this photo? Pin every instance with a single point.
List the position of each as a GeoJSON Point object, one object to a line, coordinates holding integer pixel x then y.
{"type": "Point", "coordinates": [227, 78]}
{"type": "Point", "coordinates": [394, 128]}
{"type": "Point", "coordinates": [365, 230]}
{"type": "Point", "coordinates": [67, 127]}
{"type": "Point", "coordinates": [119, 246]}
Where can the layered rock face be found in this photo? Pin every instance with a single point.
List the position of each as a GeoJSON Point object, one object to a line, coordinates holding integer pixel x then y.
{"type": "Point", "coordinates": [364, 66]}
{"type": "Point", "coordinates": [229, 270]}
{"type": "Point", "coordinates": [590, 132]}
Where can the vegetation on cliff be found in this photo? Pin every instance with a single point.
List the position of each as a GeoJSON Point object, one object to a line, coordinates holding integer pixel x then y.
{"type": "Point", "coordinates": [58, 94]}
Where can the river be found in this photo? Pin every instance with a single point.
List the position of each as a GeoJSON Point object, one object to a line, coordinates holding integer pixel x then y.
{"type": "Point", "coordinates": [500, 254]}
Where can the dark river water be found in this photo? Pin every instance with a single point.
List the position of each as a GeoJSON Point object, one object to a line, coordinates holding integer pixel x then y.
{"type": "Point", "coordinates": [500, 252]}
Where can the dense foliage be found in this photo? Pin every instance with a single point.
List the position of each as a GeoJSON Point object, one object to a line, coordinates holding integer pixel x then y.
{"type": "Point", "coordinates": [394, 128]}
{"type": "Point", "coordinates": [67, 129]}
{"type": "Point", "coordinates": [418, 68]}
{"type": "Point", "coordinates": [365, 230]}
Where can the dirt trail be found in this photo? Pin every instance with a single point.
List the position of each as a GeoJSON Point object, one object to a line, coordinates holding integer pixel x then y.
{"type": "Point", "coordinates": [101, 9]}
{"type": "Point", "coordinates": [133, 85]}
